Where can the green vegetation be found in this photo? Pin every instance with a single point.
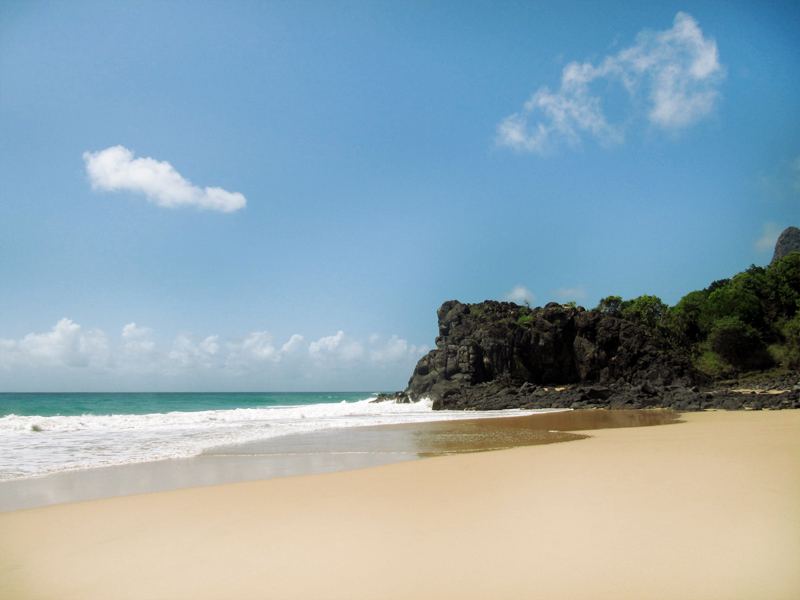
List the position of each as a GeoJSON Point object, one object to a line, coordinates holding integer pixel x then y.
{"type": "Point", "coordinates": [526, 314]}
{"type": "Point", "coordinates": [746, 323]}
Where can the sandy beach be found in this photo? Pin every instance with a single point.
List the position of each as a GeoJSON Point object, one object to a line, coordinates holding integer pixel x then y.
{"type": "Point", "coordinates": [708, 508]}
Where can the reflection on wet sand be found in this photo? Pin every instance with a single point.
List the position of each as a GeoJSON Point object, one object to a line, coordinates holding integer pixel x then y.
{"type": "Point", "coordinates": [454, 437]}
{"type": "Point", "coordinates": [449, 437]}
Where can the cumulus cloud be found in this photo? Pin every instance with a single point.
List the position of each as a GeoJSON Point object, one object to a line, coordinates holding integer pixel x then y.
{"type": "Point", "coordinates": [254, 357]}
{"type": "Point", "coordinates": [137, 350]}
{"type": "Point", "coordinates": [137, 338]}
{"type": "Point", "coordinates": [770, 232]}
{"type": "Point", "coordinates": [115, 169]}
{"type": "Point", "coordinates": [520, 294]}
{"type": "Point", "coordinates": [188, 352]}
{"type": "Point", "coordinates": [297, 343]}
{"type": "Point", "coordinates": [574, 293]}
{"type": "Point", "coordinates": [336, 349]}
{"type": "Point", "coordinates": [66, 344]}
{"type": "Point", "coordinates": [258, 346]}
{"type": "Point", "coordinates": [253, 352]}
{"type": "Point", "coordinates": [674, 74]}
{"type": "Point", "coordinates": [257, 351]}
{"type": "Point", "coordinates": [396, 351]}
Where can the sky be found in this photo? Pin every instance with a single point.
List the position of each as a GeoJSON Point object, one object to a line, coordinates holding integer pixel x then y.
{"type": "Point", "coordinates": [277, 196]}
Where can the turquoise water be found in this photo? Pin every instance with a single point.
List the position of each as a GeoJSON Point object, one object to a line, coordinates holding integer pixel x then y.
{"type": "Point", "coordinates": [48, 433]}
{"type": "Point", "coordinates": [76, 404]}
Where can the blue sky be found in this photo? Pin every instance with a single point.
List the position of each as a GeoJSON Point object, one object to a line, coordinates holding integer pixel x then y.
{"type": "Point", "coordinates": [276, 196]}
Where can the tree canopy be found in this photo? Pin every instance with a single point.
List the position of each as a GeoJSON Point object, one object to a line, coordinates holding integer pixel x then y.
{"type": "Point", "coordinates": [749, 321]}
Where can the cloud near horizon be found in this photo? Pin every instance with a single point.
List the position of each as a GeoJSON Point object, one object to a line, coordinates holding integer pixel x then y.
{"type": "Point", "coordinates": [519, 295]}
{"type": "Point", "coordinates": [69, 347]}
{"type": "Point", "coordinates": [66, 344]}
{"type": "Point", "coordinates": [677, 72]}
{"type": "Point", "coordinates": [115, 169]}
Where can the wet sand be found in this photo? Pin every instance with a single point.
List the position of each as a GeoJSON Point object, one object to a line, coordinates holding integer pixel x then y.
{"type": "Point", "coordinates": [705, 509]}
{"type": "Point", "coordinates": [326, 451]}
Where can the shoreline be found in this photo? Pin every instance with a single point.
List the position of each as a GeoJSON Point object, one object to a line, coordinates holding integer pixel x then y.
{"type": "Point", "coordinates": [324, 451]}
{"type": "Point", "coordinates": [705, 509]}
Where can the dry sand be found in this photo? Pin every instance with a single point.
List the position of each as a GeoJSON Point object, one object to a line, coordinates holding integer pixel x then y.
{"type": "Point", "coordinates": [705, 509]}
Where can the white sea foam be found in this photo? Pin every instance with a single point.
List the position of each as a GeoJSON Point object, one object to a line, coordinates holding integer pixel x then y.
{"type": "Point", "coordinates": [35, 445]}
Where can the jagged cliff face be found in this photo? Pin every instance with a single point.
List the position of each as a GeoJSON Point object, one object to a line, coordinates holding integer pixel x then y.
{"type": "Point", "coordinates": [788, 242]}
{"type": "Point", "coordinates": [555, 345]}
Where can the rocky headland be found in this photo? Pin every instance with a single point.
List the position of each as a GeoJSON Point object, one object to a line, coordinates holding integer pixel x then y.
{"type": "Point", "coordinates": [498, 355]}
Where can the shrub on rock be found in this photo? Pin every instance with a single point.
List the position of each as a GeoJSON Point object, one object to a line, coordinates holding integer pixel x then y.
{"type": "Point", "coordinates": [739, 343]}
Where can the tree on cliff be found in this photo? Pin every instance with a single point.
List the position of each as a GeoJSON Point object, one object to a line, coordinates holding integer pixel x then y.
{"type": "Point", "coordinates": [750, 321]}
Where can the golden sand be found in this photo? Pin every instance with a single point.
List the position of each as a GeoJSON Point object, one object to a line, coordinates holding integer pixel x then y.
{"type": "Point", "coordinates": [705, 509]}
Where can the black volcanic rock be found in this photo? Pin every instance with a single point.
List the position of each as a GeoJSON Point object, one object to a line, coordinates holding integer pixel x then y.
{"type": "Point", "coordinates": [497, 355]}
{"type": "Point", "coordinates": [505, 346]}
{"type": "Point", "coordinates": [494, 396]}
{"type": "Point", "coordinates": [397, 398]}
{"type": "Point", "coordinates": [788, 242]}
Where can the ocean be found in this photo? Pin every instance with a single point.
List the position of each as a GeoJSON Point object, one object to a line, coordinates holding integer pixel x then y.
{"type": "Point", "coordinates": [42, 433]}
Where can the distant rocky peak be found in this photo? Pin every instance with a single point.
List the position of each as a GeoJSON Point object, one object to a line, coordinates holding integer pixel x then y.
{"type": "Point", "coordinates": [788, 242]}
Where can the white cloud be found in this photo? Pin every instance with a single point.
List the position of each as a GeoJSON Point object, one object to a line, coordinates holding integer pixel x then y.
{"type": "Point", "coordinates": [770, 232]}
{"type": "Point", "coordinates": [69, 351]}
{"type": "Point", "coordinates": [258, 346]}
{"type": "Point", "coordinates": [520, 294]}
{"type": "Point", "coordinates": [133, 333]}
{"type": "Point", "coordinates": [137, 351]}
{"type": "Point", "coordinates": [297, 343]}
{"type": "Point", "coordinates": [186, 352]}
{"type": "Point", "coordinates": [65, 345]}
{"type": "Point", "coordinates": [115, 169]}
{"type": "Point", "coordinates": [396, 351]}
{"type": "Point", "coordinates": [336, 349]}
{"type": "Point", "coordinates": [574, 293]}
{"type": "Point", "coordinates": [677, 71]}
{"type": "Point", "coordinates": [137, 339]}
{"type": "Point", "coordinates": [256, 353]}
{"type": "Point", "coordinates": [61, 344]}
